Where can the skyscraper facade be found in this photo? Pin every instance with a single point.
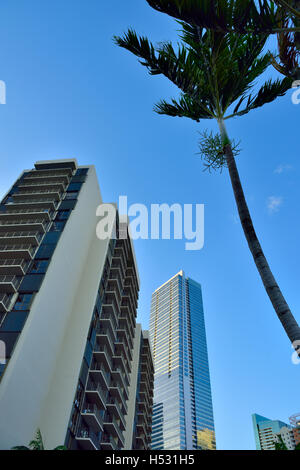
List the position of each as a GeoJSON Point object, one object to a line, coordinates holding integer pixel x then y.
{"type": "Point", "coordinates": [182, 412]}
{"type": "Point", "coordinates": [68, 305]}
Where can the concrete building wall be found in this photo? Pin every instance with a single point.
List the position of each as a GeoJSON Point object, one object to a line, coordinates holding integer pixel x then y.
{"type": "Point", "coordinates": [45, 364]}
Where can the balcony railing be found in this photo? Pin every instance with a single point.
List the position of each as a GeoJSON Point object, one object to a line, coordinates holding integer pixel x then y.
{"type": "Point", "coordinates": [92, 387]}
{"type": "Point", "coordinates": [92, 409]}
{"type": "Point", "coordinates": [31, 237]}
{"type": "Point", "coordinates": [101, 350]}
{"type": "Point", "coordinates": [26, 212]}
{"type": "Point", "coordinates": [13, 266]}
{"type": "Point", "coordinates": [22, 251]}
{"type": "Point", "coordinates": [108, 440]}
{"type": "Point", "coordinates": [34, 224]}
{"type": "Point", "coordinates": [86, 433]}
{"type": "Point", "coordinates": [111, 420]}
{"type": "Point", "coordinates": [4, 302]}
{"type": "Point", "coordinates": [112, 402]}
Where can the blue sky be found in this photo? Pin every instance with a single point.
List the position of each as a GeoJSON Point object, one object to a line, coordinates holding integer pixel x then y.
{"type": "Point", "coordinates": [72, 93]}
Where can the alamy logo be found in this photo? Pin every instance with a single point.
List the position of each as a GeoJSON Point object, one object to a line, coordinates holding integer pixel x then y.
{"type": "Point", "coordinates": [296, 93]}
{"type": "Point", "coordinates": [188, 222]}
{"type": "Point", "coordinates": [2, 92]}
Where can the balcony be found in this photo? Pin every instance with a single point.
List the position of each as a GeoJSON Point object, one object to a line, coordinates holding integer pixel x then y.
{"type": "Point", "coordinates": [38, 178]}
{"type": "Point", "coordinates": [23, 225]}
{"type": "Point", "coordinates": [112, 426]}
{"type": "Point", "coordinates": [99, 375]}
{"type": "Point", "coordinates": [115, 409]}
{"type": "Point", "coordinates": [25, 214]}
{"type": "Point", "coordinates": [122, 350]}
{"type": "Point", "coordinates": [87, 439]}
{"type": "Point", "coordinates": [16, 267]}
{"type": "Point", "coordinates": [53, 172]}
{"type": "Point", "coordinates": [92, 416]}
{"type": "Point", "coordinates": [102, 355]}
{"type": "Point", "coordinates": [109, 311]}
{"type": "Point", "coordinates": [28, 238]}
{"type": "Point", "coordinates": [4, 303]}
{"type": "Point", "coordinates": [9, 284]}
{"type": "Point", "coordinates": [125, 324]}
{"type": "Point", "coordinates": [108, 443]}
{"type": "Point", "coordinates": [33, 203]}
{"type": "Point", "coordinates": [125, 366]}
{"type": "Point", "coordinates": [120, 394]}
{"type": "Point", "coordinates": [117, 263]}
{"type": "Point", "coordinates": [95, 394]}
{"type": "Point", "coordinates": [123, 337]}
{"type": "Point", "coordinates": [118, 376]}
{"type": "Point", "coordinates": [40, 194]}
{"type": "Point", "coordinates": [105, 338]}
{"type": "Point", "coordinates": [17, 251]}
{"type": "Point", "coordinates": [54, 186]}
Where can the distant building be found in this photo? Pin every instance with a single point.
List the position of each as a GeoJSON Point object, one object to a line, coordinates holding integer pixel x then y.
{"type": "Point", "coordinates": [182, 412]}
{"type": "Point", "coordinates": [295, 423]}
{"type": "Point", "coordinates": [67, 314]}
{"type": "Point", "coordinates": [268, 431]}
{"type": "Point", "coordinates": [140, 402]}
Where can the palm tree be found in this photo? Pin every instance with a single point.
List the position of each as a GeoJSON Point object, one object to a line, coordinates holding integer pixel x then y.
{"type": "Point", "coordinates": [281, 17]}
{"type": "Point", "coordinates": [37, 444]}
{"type": "Point", "coordinates": [215, 72]}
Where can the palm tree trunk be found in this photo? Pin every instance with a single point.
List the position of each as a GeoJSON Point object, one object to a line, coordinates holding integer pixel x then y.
{"type": "Point", "coordinates": [279, 303]}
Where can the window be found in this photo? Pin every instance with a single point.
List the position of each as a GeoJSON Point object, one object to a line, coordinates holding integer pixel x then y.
{"type": "Point", "coordinates": [14, 321]}
{"type": "Point", "coordinates": [31, 283]}
{"type": "Point", "coordinates": [74, 186]}
{"type": "Point", "coordinates": [71, 195]}
{"type": "Point", "coordinates": [24, 302]}
{"type": "Point", "coordinates": [57, 226]}
{"type": "Point", "coordinates": [39, 267]}
{"type": "Point", "coordinates": [62, 215]}
{"type": "Point", "coordinates": [45, 251]}
{"type": "Point", "coordinates": [67, 205]}
{"type": "Point", "coordinates": [10, 340]}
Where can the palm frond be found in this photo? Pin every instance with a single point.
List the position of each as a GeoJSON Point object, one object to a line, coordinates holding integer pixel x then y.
{"type": "Point", "coordinates": [178, 66]}
{"type": "Point", "coordinates": [266, 94]}
{"type": "Point", "coordinates": [185, 107]}
{"type": "Point", "coordinates": [240, 16]}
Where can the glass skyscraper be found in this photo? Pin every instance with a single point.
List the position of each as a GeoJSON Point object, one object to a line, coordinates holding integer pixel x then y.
{"type": "Point", "coordinates": [183, 412]}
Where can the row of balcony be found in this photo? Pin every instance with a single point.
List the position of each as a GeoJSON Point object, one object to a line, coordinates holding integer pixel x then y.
{"type": "Point", "coordinates": [25, 252]}
{"type": "Point", "coordinates": [9, 284]}
{"type": "Point", "coordinates": [25, 214]}
{"type": "Point", "coordinates": [16, 267]}
{"type": "Point", "coordinates": [30, 238]}
{"type": "Point", "coordinates": [24, 224]}
{"type": "Point", "coordinates": [31, 204]}
{"type": "Point", "coordinates": [28, 193]}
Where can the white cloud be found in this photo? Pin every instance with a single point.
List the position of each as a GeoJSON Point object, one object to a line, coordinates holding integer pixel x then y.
{"type": "Point", "coordinates": [274, 203]}
{"type": "Point", "coordinates": [281, 168]}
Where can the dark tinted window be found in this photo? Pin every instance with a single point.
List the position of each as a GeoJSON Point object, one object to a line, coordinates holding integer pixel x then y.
{"type": "Point", "coordinates": [45, 251]}
{"type": "Point", "coordinates": [74, 187]}
{"type": "Point", "coordinates": [14, 321]}
{"type": "Point", "coordinates": [65, 205]}
{"type": "Point", "coordinates": [31, 283]}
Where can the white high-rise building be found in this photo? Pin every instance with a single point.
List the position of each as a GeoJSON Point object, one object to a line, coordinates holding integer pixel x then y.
{"type": "Point", "coordinates": [67, 313]}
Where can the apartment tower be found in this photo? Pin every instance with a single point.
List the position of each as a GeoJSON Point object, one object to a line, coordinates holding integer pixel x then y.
{"type": "Point", "coordinates": [182, 411]}
{"type": "Point", "coordinates": [140, 403]}
{"type": "Point", "coordinates": [68, 306]}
